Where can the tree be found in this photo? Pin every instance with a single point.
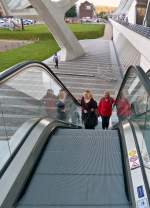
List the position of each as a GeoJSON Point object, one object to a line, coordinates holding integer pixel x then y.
{"type": "Point", "coordinates": [101, 14]}
{"type": "Point", "coordinates": [71, 12]}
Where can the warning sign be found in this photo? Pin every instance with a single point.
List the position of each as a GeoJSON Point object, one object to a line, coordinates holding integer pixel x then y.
{"type": "Point", "coordinates": [142, 203]}
{"type": "Point", "coordinates": [133, 159]}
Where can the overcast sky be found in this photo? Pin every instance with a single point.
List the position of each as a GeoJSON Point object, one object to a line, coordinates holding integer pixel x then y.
{"type": "Point", "coordinates": [103, 2]}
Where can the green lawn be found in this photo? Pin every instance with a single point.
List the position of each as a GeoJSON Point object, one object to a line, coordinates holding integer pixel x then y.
{"type": "Point", "coordinates": [45, 45]}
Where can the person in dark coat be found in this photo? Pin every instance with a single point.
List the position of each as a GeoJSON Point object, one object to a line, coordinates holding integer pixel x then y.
{"type": "Point", "coordinates": [89, 110]}
{"type": "Point", "coordinates": [55, 60]}
{"type": "Point", "coordinates": [105, 109]}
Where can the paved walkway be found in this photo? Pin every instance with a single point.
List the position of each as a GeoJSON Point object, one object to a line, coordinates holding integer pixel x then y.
{"type": "Point", "coordinates": [108, 34]}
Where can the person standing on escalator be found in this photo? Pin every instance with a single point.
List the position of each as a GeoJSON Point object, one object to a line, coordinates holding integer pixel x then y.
{"type": "Point", "coordinates": [89, 110]}
{"type": "Point", "coordinates": [105, 109]}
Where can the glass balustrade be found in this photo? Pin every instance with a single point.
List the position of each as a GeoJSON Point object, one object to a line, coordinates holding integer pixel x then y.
{"type": "Point", "coordinates": [133, 103]}
{"type": "Point", "coordinates": [32, 93]}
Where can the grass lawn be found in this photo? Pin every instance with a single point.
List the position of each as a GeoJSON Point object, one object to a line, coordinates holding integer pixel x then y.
{"type": "Point", "coordinates": [45, 46]}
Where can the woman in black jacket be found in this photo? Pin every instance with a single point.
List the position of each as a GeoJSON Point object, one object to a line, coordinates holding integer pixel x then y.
{"type": "Point", "coordinates": [89, 110]}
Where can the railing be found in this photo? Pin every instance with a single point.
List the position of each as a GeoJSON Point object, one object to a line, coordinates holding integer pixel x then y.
{"type": "Point", "coordinates": [140, 29]}
{"type": "Point", "coordinates": [31, 90]}
{"type": "Point", "coordinates": [133, 104]}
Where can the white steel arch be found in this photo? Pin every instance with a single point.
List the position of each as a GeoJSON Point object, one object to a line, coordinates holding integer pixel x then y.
{"type": "Point", "coordinates": [53, 15]}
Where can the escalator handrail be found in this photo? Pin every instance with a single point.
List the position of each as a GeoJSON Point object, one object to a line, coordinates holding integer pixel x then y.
{"type": "Point", "coordinates": [13, 187]}
{"type": "Point", "coordinates": [19, 67]}
{"type": "Point", "coordinates": [148, 72]}
{"type": "Point", "coordinates": [24, 132]}
{"type": "Point", "coordinates": [143, 77]}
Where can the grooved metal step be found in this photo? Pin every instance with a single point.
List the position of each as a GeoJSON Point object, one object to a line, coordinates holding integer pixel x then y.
{"type": "Point", "coordinates": [79, 168]}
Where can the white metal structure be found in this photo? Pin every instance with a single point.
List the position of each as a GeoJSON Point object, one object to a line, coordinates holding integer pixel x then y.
{"type": "Point", "coordinates": [53, 15]}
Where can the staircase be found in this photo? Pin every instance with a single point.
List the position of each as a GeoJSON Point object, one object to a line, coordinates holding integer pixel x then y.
{"type": "Point", "coordinates": [98, 70]}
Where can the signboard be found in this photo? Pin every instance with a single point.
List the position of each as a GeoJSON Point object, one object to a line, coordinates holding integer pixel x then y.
{"type": "Point", "coordinates": [133, 159]}
{"type": "Point", "coordinates": [140, 191]}
{"type": "Point", "coordinates": [142, 203]}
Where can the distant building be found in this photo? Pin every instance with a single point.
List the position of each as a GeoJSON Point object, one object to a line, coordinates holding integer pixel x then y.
{"type": "Point", "coordinates": [86, 10]}
{"type": "Point", "coordinates": [104, 9]}
{"type": "Point", "coordinates": [141, 11]}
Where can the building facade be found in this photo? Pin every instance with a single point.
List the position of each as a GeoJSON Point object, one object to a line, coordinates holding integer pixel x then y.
{"type": "Point", "coordinates": [86, 10]}
{"type": "Point", "coordinates": [104, 9]}
{"type": "Point", "coordinates": [141, 11]}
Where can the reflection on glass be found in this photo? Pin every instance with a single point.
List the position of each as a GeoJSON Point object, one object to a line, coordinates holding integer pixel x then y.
{"type": "Point", "coordinates": [61, 106]}
{"type": "Point", "coordinates": [49, 100]}
{"type": "Point", "coordinates": [134, 103]}
{"type": "Point", "coordinates": [34, 93]}
{"type": "Point", "coordinates": [123, 107]}
{"type": "Point", "coordinates": [5, 151]}
{"type": "Point", "coordinates": [132, 100]}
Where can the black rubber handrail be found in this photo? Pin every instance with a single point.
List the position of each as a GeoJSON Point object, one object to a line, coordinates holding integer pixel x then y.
{"type": "Point", "coordinates": [56, 123]}
{"type": "Point", "coordinates": [21, 66]}
{"type": "Point", "coordinates": [25, 135]}
{"type": "Point", "coordinates": [148, 73]}
{"type": "Point", "coordinates": [26, 170]}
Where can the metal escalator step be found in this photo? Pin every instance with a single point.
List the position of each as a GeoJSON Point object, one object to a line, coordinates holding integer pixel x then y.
{"type": "Point", "coordinates": [61, 190]}
{"type": "Point", "coordinates": [88, 143]}
{"type": "Point", "coordinates": [114, 133]}
{"type": "Point", "coordinates": [81, 161]}
{"type": "Point", "coordinates": [76, 170]}
{"type": "Point", "coordinates": [74, 206]}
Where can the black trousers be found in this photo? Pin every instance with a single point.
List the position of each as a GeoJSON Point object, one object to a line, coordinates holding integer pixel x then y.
{"type": "Point", "coordinates": [56, 64]}
{"type": "Point", "coordinates": [105, 122]}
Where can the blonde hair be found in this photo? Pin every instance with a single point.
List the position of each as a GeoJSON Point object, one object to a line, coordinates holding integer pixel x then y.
{"type": "Point", "coordinates": [88, 92]}
{"type": "Point", "coordinates": [107, 93]}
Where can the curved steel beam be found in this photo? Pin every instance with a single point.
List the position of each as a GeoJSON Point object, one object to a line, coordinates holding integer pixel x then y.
{"type": "Point", "coordinates": [53, 16]}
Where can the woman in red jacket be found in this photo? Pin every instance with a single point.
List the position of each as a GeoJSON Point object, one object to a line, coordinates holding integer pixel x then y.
{"type": "Point", "coordinates": [105, 109]}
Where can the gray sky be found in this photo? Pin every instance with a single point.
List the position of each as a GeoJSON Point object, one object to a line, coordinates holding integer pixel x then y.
{"type": "Point", "coordinates": [103, 2]}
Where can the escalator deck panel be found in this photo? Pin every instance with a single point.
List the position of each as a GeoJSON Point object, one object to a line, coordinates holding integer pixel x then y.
{"type": "Point", "coordinates": [77, 170]}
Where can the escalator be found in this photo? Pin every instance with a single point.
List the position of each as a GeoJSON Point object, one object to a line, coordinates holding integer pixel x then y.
{"type": "Point", "coordinates": [56, 163]}
{"type": "Point", "coordinates": [78, 168]}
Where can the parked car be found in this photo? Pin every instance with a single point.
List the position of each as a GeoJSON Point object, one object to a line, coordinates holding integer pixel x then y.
{"type": "Point", "coordinates": [86, 20]}
{"type": "Point", "coordinates": [28, 21]}
{"type": "Point", "coordinates": [101, 20]}
{"type": "Point", "coordinates": [4, 23]}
